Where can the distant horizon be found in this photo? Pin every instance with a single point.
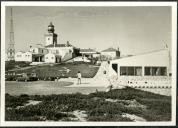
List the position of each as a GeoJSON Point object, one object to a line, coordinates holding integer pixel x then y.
{"type": "Point", "coordinates": [133, 29]}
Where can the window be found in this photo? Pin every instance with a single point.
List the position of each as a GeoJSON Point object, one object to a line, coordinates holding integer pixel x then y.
{"type": "Point", "coordinates": [155, 71]}
{"type": "Point", "coordinates": [138, 71]}
{"type": "Point", "coordinates": [46, 57]}
{"type": "Point", "coordinates": [42, 50]}
{"type": "Point", "coordinates": [163, 71]}
{"type": "Point", "coordinates": [52, 57]}
{"type": "Point", "coordinates": [123, 71]}
{"type": "Point", "coordinates": [148, 71]}
{"type": "Point", "coordinates": [114, 66]}
{"type": "Point", "coordinates": [131, 71]}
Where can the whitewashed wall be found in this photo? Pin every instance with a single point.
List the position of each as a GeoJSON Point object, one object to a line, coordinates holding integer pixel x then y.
{"type": "Point", "coordinates": [48, 39]}
{"type": "Point", "coordinates": [64, 52]}
{"type": "Point", "coordinates": [23, 56]}
{"type": "Point", "coordinates": [158, 58]}
{"type": "Point", "coordinates": [49, 58]}
{"type": "Point", "coordinates": [39, 50]}
{"type": "Point", "coordinates": [110, 54]}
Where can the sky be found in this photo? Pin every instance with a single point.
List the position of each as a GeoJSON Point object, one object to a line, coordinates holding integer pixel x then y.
{"type": "Point", "coordinates": [133, 30]}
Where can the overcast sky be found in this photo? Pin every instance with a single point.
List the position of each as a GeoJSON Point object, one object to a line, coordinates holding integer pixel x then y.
{"type": "Point", "coordinates": [133, 29]}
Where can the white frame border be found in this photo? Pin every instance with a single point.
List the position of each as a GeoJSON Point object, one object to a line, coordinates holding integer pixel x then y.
{"type": "Point", "coordinates": [35, 123]}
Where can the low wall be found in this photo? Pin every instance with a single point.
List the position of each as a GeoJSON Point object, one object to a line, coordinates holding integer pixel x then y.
{"type": "Point", "coordinates": [142, 81]}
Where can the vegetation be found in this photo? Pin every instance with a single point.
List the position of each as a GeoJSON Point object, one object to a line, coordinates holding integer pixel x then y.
{"type": "Point", "coordinates": [9, 65]}
{"type": "Point", "coordinates": [60, 107]}
{"type": "Point", "coordinates": [14, 101]}
{"type": "Point", "coordinates": [47, 72]}
{"type": "Point", "coordinates": [153, 102]}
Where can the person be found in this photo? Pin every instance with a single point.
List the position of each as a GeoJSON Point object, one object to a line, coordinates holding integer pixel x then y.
{"type": "Point", "coordinates": [79, 76]}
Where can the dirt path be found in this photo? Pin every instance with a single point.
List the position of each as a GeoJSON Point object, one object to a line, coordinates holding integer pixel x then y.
{"type": "Point", "coordinates": [30, 102]}
{"type": "Point", "coordinates": [80, 115]}
{"type": "Point", "coordinates": [134, 117]}
{"type": "Point", "coordinates": [22, 68]}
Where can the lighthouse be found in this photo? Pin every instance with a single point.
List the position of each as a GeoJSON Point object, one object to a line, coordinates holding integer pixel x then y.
{"type": "Point", "coordinates": [50, 37]}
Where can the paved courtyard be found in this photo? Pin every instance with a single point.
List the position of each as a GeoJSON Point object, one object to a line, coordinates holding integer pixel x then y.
{"type": "Point", "coordinates": [46, 88]}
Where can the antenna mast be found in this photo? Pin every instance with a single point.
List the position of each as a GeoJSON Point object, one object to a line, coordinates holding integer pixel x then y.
{"type": "Point", "coordinates": [11, 49]}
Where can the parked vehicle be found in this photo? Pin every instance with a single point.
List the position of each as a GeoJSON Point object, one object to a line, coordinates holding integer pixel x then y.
{"type": "Point", "coordinates": [81, 59]}
{"type": "Point", "coordinates": [27, 77]}
{"type": "Point", "coordinates": [33, 77]}
{"type": "Point", "coordinates": [10, 76]}
{"type": "Point", "coordinates": [22, 77]}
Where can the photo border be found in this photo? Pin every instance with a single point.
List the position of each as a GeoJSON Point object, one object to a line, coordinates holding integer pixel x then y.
{"type": "Point", "coordinates": [38, 123]}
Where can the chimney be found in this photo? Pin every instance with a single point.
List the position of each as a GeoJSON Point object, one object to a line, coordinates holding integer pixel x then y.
{"type": "Point", "coordinates": [68, 44]}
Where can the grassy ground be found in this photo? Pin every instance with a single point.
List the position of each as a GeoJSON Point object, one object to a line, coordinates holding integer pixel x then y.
{"type": "Point", "coordinates": [59, 107]}
{"type": "Point", "coordinates": [9, 65]}
{"type": "Point", "coordinates": [60, 70]}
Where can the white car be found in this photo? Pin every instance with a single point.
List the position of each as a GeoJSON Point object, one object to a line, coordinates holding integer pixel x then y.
{"type": "Point", "coordinates": [81, 59]}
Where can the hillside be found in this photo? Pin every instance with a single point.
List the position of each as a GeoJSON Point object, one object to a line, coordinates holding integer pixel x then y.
{"type": "Point", "coordinates": [60, 70]}
{"type": "Point", "coordinates": [12, 65]}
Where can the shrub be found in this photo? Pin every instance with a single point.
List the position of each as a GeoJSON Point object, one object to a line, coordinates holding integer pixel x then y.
{"type": "Point", "coordinates": [58, 107]}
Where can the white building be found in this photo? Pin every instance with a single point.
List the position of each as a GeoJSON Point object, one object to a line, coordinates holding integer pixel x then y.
{"type": "Point", "coordinates": [110, 53]}
{"type": "Point", "coordinates": [52, 58]}
{"type": "Point", "coordinates": [23, 56]}
{"type": "Point", "coordinates": [66, 52]}
{"type": "Point", "coordinates": [38, 53]}
{"type": "Point", "coordinates": [90, 53]}
{"type": "Point", "coordinates": [50, 37]}
{"type": "Point", "coordinates": [145, 70]}
{"type": "Point", "coordinates": [52, 50]}
{"type": "Point", "coordinates": [39, 49]}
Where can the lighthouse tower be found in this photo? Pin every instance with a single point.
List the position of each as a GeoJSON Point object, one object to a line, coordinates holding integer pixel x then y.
{"type": "Point", "coordinates": [51, 37]}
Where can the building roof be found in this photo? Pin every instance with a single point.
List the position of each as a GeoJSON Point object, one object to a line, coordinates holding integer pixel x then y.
{"type": "Point", "coordinates": [51, 25]}
{"type": "Point", "coordinates": [37, 45]}
{"type": "Point", "coordinates": [145, 53]}
{"type": "Point", "coordinates": [37, 55]}
{"type": "Point", "coordinates": [87, 51]}
{"type": "Point", "coordinates": [58, 45]}
{"type": "Point", "coordinates": [109, 50]}
{"type": "Point", "coordinates": [56, 55]}
{"type": "Point", "coordinates": [22, 51]}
